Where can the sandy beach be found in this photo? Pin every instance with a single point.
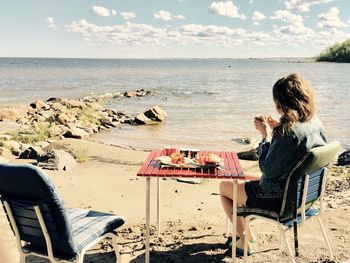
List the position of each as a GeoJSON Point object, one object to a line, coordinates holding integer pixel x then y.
{"type": "Point", "coordinates": [193, 223]}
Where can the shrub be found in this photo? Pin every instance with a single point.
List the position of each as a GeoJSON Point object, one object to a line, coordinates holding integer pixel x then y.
{"type": "Point", "coordinates": [339, 52]}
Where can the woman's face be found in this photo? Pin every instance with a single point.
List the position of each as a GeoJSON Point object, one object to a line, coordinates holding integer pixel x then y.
{"type": "Point", "coordinates": [278, 107]}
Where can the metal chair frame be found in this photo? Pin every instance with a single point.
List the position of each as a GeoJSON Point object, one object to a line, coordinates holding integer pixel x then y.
{"type": "Point", "coordinates": [79, 257]}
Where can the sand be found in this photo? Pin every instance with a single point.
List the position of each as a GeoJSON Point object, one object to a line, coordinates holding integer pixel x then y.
{"type": "Point", "coordinates": [193, 222]}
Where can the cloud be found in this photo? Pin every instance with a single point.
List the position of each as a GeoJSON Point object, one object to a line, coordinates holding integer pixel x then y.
{"type": "Point", "coordinates": [102, 11]}
{"type": "Point", "coordinates": [51, 23]}
{"type": "Point", "coordinates": [226, 9]}
{"type": "Point", "coordinates": [167, 16]}
{"type": "Point", "coordinates": [257, 16]}
{"type": "Point", "coordinates": [330, 19]}
{"type": "Point", "coordinates": [127, 15]}
{"type": "Point", "coordinates": [303, 5]}
{"type": "Point", "coordinates": [287, 16]}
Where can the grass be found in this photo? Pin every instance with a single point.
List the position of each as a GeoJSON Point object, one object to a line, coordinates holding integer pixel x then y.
{"type": "Point", "coordinates": [88, 116]}
{"type": "Point", "coordinates": [30, 136]}
{"type": "Point", "coordinates": [339, 52]}
{"type": "Point", "coordinates": [80, 156]}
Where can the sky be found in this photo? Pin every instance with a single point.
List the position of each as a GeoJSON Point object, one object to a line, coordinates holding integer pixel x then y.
{"type": "Point", "coordinates": [171, 28]}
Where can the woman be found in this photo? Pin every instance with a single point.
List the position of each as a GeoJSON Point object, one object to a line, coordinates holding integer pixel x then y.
{"type": "Point", "coordinates": [283, 143]}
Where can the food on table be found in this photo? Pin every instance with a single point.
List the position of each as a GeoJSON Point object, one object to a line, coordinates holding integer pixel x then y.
{"type": "Point", "coordinates": [206, 159]}
{"type": "Point", "coordinates": [177, 158]}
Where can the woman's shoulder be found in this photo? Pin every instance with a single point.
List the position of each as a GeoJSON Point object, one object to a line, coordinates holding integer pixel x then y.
{"type": "Point", "coordinates": [302, 129]}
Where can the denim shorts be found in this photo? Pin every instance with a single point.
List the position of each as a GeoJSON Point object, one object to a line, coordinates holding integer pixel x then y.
{"type": "Point", "coordinates": [255, 200]}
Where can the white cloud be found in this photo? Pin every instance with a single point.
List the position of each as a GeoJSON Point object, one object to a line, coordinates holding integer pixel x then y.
{"type": "Point", "coordinates": [51, 23]}
{"type": "Point", "coordinates": [257, 16]}
{"type": "Point", "coordinates": [304, 5]}
{"type": "Point", "coordinates": [287, 16]}
{"type": "Point", "coordinates": [102, 11]}
{"type": "Point", "coordinates": [330, 19]}
{"type": "Point", "coordinates": [127, 15]}
{"type": "Point", "coordinates": [226, 9]}
{"type": "Point", "coordinates": [167, 16]}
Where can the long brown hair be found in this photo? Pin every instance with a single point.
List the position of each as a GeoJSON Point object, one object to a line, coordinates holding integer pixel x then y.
{"type": "Point", "coordinates": [294, 98]}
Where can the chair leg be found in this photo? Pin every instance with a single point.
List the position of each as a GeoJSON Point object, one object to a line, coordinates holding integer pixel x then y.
{"type": "Point", "coordinates": [290, 253]}
{"type": "Point", "coordinates": [246, 226]}
{"type": "Point", "coordinates": [22, 258]}
{"type": "Point", "coordinates": [116, 249]}
{"type": "Point", "coordinates": [326, 240]}
{"type": "Point", "coordinates": [281, 239]}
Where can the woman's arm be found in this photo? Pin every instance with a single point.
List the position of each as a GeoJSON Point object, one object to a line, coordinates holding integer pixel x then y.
{"type": "Point", "coordinates": [280, 156]}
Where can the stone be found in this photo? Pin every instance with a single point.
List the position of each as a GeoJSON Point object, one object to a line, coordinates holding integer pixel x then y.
{"type": "Point", "coordinates": [57, 160]}
{"type": "Point", "coordinates": [95, 106]}
{"type": "Point", "coordinates": [76, 133]}
{"type": "Point", "coordinates": [56, 100]}
{"type": "Point", "coordinates": [156, 114]}
{"type": "Point", "coordinates": [33, 152]}
{"type": "Point", "coordinates": [62, 118]}
{"type": "Point", "coordinates": [39, 104]}
{"type": "Point", "coordinates": [344, 158]}
{"type": "Point", "coordinates": [3, 160]}
{"type": "Point", "coordinates": [13, 146]}
{"type": "Point", "coordinates": [141, 119]}
{"type": "Point", "coordinates": [106, 121]}
{"type": "Point", "coordinates": [5, 137]}
{"type": "Point", "coordinates": [129, 94]}
{"type": "Point", "coordinates": [76, 104]}
{"type": "Point", "coordinates": [9, 114]}
{"type": "Point", "coordinates": [57, 130]}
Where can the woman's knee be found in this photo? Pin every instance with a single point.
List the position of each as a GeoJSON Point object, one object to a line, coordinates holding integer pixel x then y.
{"type": "Point", "coordinates": [223, 186]}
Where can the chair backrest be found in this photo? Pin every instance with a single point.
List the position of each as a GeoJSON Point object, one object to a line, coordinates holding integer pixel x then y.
{"type": "Point", "coordinates": [23, 187]}
{"type": "Point", "coordinates": [312, 167]}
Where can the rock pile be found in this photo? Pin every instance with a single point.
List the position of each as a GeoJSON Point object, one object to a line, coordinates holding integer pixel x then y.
{"type": "Point", "coordinates": [58, 118]}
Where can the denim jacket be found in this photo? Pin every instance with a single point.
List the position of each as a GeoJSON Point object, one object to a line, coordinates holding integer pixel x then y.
{"type": "Point", "coordinates": [278, 157]}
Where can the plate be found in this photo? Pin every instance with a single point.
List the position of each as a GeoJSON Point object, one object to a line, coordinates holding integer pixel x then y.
{"type": "Point", "coordinates": [165, 161]}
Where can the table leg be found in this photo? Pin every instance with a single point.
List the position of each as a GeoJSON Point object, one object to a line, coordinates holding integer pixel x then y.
{"type": "Point", "coordinates": [148, 195]}
{"type": "Point", "coordinates": [234, 219]}
{"type": "Point", "coordinates": [158, 206]}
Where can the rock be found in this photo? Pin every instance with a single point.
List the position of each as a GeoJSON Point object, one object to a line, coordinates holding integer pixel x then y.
{"type": "Point", "coordinates": [13, 146]}
{"type": "Point", "coordinates": [42, 145]}
{"type": "Point", "coordinates": [76, 133]}
{"type": "Point", "coordinates": [9, 114]}
{"type": "Point", "coordinates": [57, 160]}
{"type": "Point", "coordinates": [33, 152]}
{"type": "Point", "coordinates": [94, 106]}
{"type": "Point", "coordinates": [56, 100]}
{"type": "Point", "coordinates": [39, 104]}
{"type": "Point", "coordinates": [129, 94]}
{"type": "Point", "coordinates": [76, 104]}
{"type": "Point", "coordinates": [106, 121]}
{"type": "Point", "coordinates": [142, 120]}
{"type": "Point", "coordinates": [344, 158]}
{"type": "Point", "coordinates": [62, 118]}
{"type": "Point", "coordinates": [57, 130]}
{"type": "Point", "coordinates": [5, 137]}
{"type": "Point", "coordinates": [3, 160]}
{"type": "Point", "coordinates": [156, 114]}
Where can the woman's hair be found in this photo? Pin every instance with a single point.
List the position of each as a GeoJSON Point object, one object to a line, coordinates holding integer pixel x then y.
{"type": "Point", "coordinates": [294, 98]}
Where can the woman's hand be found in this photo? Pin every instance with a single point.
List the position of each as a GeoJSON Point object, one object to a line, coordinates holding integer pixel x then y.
{"type": "Point", "coordinates": [263, 127]}
{"type": "Point", "coordinates": [272, 122]}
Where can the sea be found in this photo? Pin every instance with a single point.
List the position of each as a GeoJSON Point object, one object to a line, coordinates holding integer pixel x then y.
{"type": "Point", "coordinates": [210, 102]}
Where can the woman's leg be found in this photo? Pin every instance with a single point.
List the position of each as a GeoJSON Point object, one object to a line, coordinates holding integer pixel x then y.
{"type": "Point", "coordinates": [226, 200]}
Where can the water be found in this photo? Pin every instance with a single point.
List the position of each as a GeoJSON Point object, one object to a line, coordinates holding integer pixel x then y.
{"type": "Point", "coordinates": [210, 102]}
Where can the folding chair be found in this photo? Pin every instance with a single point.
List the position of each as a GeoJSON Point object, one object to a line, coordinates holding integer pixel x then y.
{"type": "Point", "coordinates": [40, 222]}
{"type": "Point", "coordinates": [305, 185]}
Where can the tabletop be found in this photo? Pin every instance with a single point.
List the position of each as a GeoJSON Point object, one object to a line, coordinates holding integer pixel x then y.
{"type": "Point", "coordinates": [232, 167]}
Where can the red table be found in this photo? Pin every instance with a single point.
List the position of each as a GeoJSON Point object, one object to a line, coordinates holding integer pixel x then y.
{"type": "Point", "coordinates": [152, 168]}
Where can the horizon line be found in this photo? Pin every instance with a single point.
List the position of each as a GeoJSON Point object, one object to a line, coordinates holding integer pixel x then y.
{"type": "Point", "coordinates": [160, 58]}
